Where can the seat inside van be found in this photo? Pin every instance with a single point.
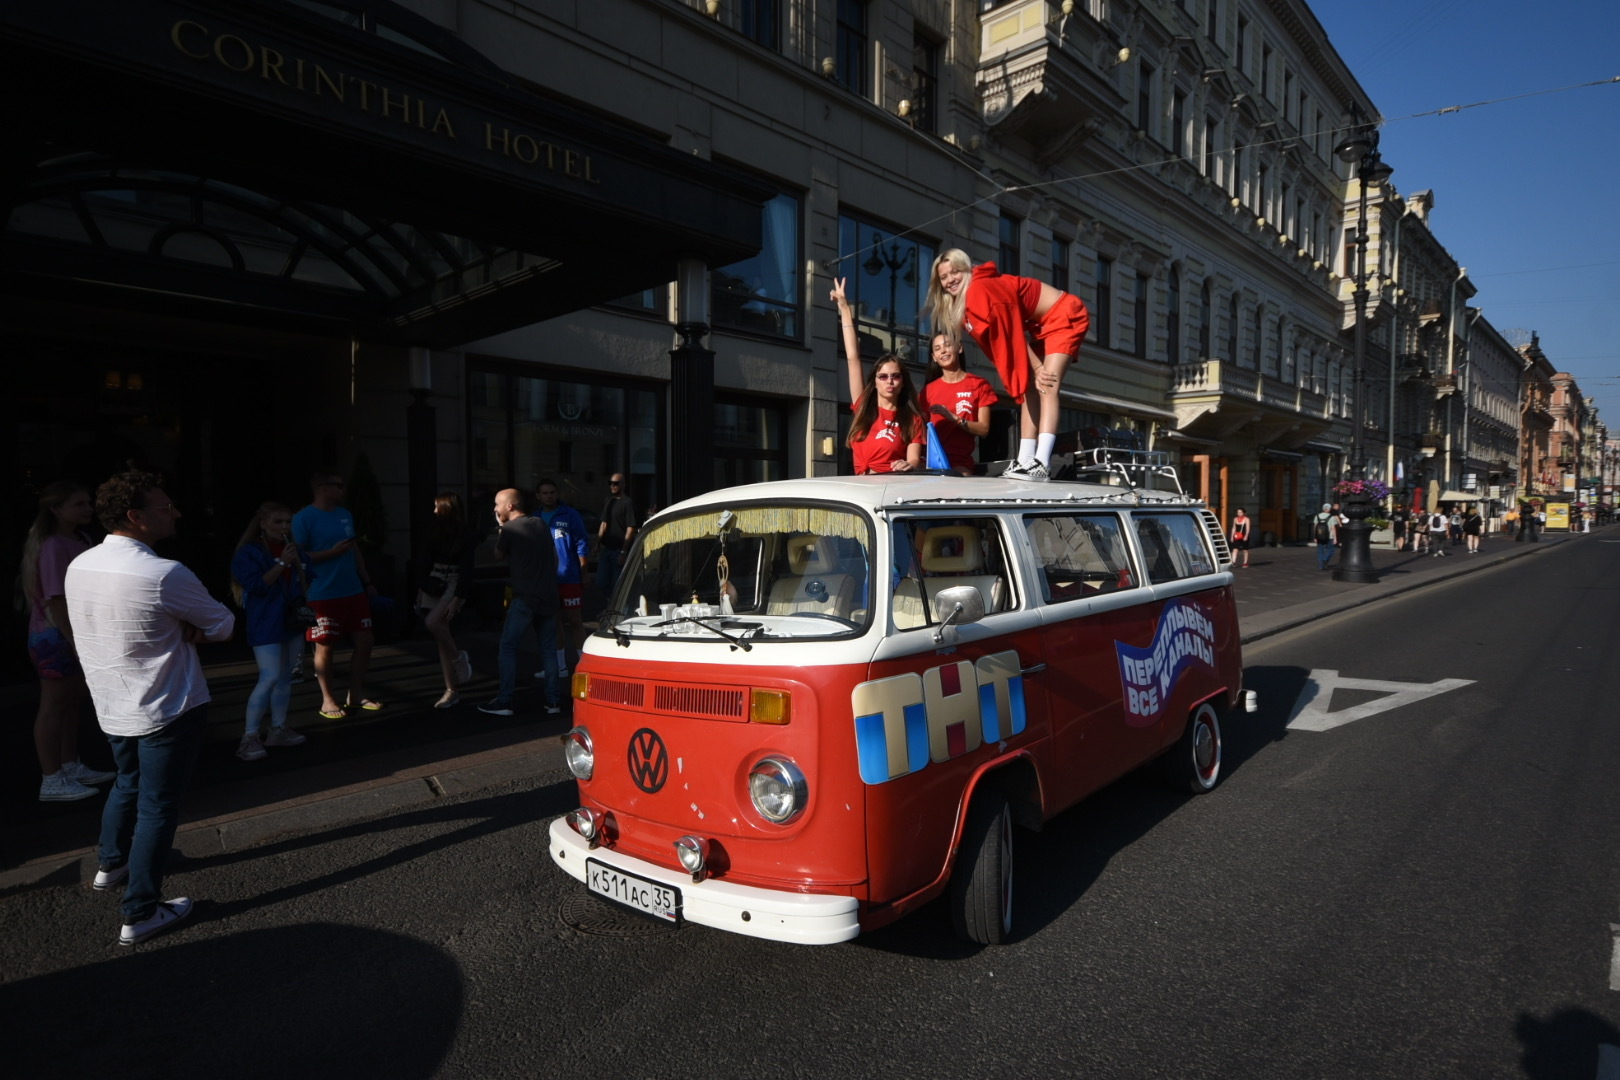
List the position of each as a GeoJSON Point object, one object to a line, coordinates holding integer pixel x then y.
{"type": "Point", "coordinates": [813, 581]}
{"type": "Point", "coordinates": [953, 556]}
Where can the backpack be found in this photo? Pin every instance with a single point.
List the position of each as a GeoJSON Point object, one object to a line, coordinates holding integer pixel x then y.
{"type": "Point", "coordinates": [1324, 535]}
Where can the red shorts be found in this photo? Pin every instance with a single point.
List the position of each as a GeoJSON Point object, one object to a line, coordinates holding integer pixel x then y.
{"type": "Point", "coordinates": [338, 616]}
{"type": "Point", "coordinates": [571, 595]}
{"type": "Point", "coordinates": [1063, 328]}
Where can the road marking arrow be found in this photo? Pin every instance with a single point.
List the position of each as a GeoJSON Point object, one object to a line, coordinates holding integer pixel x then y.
{"type": "Point", "coordinates": [1311, 708]}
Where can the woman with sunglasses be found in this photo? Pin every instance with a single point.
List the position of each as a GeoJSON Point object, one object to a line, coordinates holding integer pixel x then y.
{"type": "Point", "coordinates": [887, 432]}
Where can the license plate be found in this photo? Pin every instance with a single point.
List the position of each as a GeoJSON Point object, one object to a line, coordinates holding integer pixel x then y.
{"type": "Point", "coordinates": [660, 901]}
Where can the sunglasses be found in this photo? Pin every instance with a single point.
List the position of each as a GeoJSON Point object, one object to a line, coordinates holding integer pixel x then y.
{"type": "Point", "coordinates": [890, 377]}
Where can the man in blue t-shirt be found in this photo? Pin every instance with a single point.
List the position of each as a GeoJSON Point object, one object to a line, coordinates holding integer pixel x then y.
{"type": "Point", "coordinates": [340, 591]}
{"type": "Point", "coordinates": [573, 545]}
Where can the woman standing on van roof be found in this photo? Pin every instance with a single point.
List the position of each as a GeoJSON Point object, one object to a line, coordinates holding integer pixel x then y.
{"type": "Point", "coordinates": [1001, 312]}
{"type": "Point", "coordinates": [956, 402]}
{"type": "Point", "coordinates": [887, 431]}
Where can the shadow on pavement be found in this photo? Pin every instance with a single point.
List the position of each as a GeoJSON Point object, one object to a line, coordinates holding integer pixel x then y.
{"type": "Point", "coordinates": [1567, 1044]}
{"type": "Point", "coordinates": [326, 1000]}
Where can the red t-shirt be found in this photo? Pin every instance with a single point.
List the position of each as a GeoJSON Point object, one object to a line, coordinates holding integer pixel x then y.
{"type": "Point", "coordinates": [998, 311]}
{"type": "Point", "coordinates": [964, 400]}
{"type": "Point", "coordinates": [883, 443]}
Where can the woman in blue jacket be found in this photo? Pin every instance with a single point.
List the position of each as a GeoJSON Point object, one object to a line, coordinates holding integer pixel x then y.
{"type": "Point", "coordinates": [267, 579]}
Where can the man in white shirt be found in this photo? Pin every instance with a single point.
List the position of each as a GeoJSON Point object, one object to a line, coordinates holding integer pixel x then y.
{"type": "Point", "coordinates": [136, 620]}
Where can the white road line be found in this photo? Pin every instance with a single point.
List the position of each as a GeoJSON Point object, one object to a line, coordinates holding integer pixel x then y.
{"type": "Point", "coordinates": [1311, 707]}
{"type": "Point", "coordinates": [1608, 1062]}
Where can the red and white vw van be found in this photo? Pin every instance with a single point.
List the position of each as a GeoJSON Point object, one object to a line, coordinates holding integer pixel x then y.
{"type": "Point", "coordinates": [819, 704]}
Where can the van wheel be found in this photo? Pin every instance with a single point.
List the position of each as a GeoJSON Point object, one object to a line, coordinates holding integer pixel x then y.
{"type": "Point", "coordinates": [1194, 763]}
{"type": "Point", "coordinates": [981, 889]}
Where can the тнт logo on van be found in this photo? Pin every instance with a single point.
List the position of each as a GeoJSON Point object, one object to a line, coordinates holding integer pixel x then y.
{"type": "Point", "coordinates": [649, 760]}
{"type": "Point", "coordinates": [903, 722]}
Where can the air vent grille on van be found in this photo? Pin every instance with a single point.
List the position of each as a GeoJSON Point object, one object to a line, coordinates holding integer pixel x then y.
{"type": "Point", "coordinates": [618, 692]}
{"type": "Point", "coordinates": [718, 704]}
{"type": "Point", "coordinates": [1223, 550]}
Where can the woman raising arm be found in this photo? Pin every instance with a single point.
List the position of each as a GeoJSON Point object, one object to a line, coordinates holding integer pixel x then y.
{"type": "Point", "coordinates": [886, 433]}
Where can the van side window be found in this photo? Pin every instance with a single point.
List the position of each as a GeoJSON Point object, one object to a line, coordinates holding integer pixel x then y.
{"type": "Point", "coordinates": [942, 553]}
{"type": "Point", "coordinates": [1172, 547]}
{"type": "Point", "coordinates": [1079, 555]}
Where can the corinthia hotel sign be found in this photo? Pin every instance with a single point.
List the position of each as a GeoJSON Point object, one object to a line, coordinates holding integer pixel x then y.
{"type": "Point", "coordinates": [366, 96]}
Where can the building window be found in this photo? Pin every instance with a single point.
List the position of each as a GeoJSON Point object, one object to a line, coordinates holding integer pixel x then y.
{"type": "Point", "coordinates": [1210, 129]}
{"type": "Point", "coordinates": [759, 22]}
{"type": "Point", "coordinates": [1212, 20]}
{"type": "Point", "coordinates": [1237, 170]}
{"type": "Point", "coordinates": [1320, 136]}
{"type": "Point", "coordinates": [750, 441]}
{"type": "Point", "coordinates": [1172, 322]}
{"type": "Point", "coordinates": [925, 75]}
{"type": "Point", "coordinates": [1265, 71]}
{"type": "Point", "coordinates": [1240, 45]}
{"type": "Point", "coordinates": [1139, 311]}
{"type": "Point", "coordinates": [1232, 329]}
{"type": "Point", "coordinates": [1104, 320]}
{"type": "Point", "coordinates": [1178, 124]}
{"type": "Point", "coordinates": [1144, 99]}
{"type": "Point", "coordinates": [1287, 93]}
{"type": "Point", "coordinates": [1060, 264]}
{"type": "Point", "coordinates": [888, 279]}
{"type": "Point", "coordinates": [1262, 193]}
{"type": "Point", "coordinates": [1259, 334]}
{"type": "Point", "coordinates": [1204, 316]}
{"type": "Point", "coordinates": [523, 428]}
{"type": "Point", "coordinates": [1010, 255]}
{"type": "Point", "coordinates": [761, 294]}
{"type": "Point", "coordinates": [647, 302]}
{"type": "Point", "coordinates": [850, 46]}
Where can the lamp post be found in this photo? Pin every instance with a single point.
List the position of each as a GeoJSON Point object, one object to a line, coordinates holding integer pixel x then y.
{"type": "Point", "coordinates": [1355, 565]}
{"type": "Point", "coordinates": [895, 261]}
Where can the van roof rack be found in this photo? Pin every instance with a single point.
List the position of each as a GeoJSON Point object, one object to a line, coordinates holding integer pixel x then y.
{"type": "Point", "coordinates": [1120, 468]}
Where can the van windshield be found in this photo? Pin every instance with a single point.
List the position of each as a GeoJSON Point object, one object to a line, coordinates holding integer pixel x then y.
{"type": "Point", "coordinates": [752, 574]}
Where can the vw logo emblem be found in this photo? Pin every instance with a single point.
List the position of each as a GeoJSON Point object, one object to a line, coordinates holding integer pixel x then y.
{"type": "Point", "coordinates": [649, 760]}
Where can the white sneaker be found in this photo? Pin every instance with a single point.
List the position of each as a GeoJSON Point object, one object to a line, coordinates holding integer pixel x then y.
{"type": "Point", "coordinates": [79, 771]}
{"type": "Point", "coordinates": [1033, 471]}
{"type": "Point", "coordinates": [59, 787]}
{"type": "Point", "coordinates": [168, 915]}
{"type": "Point", "coordinates": [110, 878]}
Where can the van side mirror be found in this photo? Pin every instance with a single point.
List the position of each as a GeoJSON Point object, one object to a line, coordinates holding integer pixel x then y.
{"type": "Point", "coordinates": [962, 604]}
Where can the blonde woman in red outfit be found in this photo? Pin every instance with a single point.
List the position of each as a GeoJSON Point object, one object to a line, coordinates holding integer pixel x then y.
{"type": "Point", "coordinates": [887, 431]}
{"type": "Point", "coordinates": [956, 403]}
{"type": "Point", "coordinates": [1002, 313]}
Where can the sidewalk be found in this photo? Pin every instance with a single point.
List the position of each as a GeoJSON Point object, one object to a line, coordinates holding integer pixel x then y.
{"type": "Point", "coordinates": [411, 754]}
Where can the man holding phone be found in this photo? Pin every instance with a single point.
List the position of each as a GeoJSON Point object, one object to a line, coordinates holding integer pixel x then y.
{"type": "Point", "coordinates": [340, 591]}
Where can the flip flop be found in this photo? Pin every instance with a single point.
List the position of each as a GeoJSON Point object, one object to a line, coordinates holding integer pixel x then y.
{"type": "Point", "coordinates": [366, 704]}
{"type": "Point", "coordinates": [336, 715]}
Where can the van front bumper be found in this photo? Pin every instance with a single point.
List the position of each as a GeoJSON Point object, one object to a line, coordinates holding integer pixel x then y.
{"type": "Point", "coordinates": [800, 918]}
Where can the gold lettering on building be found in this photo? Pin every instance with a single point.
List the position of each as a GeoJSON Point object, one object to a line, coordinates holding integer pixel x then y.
{"type": "Point", "coordinates": [304, 76]}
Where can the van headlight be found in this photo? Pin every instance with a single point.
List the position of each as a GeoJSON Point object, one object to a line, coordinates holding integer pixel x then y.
{"type": "Point", "coordinates": [778, 789]}
{"type": "Point", "coordinates": [579, 753]}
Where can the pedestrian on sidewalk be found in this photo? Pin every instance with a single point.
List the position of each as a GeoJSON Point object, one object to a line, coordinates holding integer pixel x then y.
{"type": "Point", "coordinates": [1239, 536]}
{"type": "Point", "coordinates": [56, 538]}
{"type": "Point", "coordinates": [525, 545]}
{"type": "Point", "coordinates": [340, 591]}
{"type": "Point", "coordinates": [137, 619]}
{"type": "Point", "coordinates": [1454, 524]}
{"type": "Point", "coordinates": [613, 535]}
{"type": "Point", "coordinates": [445, 590]}
{"type": "Point", "coordinates": [268, 580]}
{"type": "Point", "coordinates": [1473, 529]}
{"type": "Point", "coordinates": [573, 545]}
{"type": "Point", "coordinates": [1438, 527]}
{"type": "Point", "coordinates": [1325, 531]}
{"type": "Point", "coordinates": [1397, 523]}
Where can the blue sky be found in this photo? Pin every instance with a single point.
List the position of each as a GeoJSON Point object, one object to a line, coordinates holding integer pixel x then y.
{"type": "Point", "coordinates": [1527, 191]}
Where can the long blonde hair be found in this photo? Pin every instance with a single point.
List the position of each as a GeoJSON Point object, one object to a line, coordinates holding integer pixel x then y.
{"type": "Point", "coordinates": [53, 498]}
{"type": "Point", "coordinates": [947, 311]}
{"type": "Point", "coordinates": [254, 534]}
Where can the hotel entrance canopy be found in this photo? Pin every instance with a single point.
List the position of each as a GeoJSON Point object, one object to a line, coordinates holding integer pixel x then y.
{"type": "Point", "coordinates": [343, 167]}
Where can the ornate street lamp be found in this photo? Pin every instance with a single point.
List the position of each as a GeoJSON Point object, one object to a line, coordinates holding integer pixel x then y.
{"type": "Point", "coordinates": [1355, 565]}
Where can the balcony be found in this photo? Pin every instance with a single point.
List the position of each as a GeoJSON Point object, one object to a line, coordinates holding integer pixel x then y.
{"type": "Point", "coordinates": [1045, 77]}
{"type": "Point", "coordinates": [1215, 398]}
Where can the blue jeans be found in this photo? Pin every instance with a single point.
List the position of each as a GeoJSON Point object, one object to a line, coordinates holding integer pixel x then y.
{"type": "Point", "coordinates": [143, 807]}
{"type": "Point", "coordinates": [520, 615]}
{"type": "Point", "coordinates": [1324, 555]}
{"type": "Point", "coordinates": [274, 687]}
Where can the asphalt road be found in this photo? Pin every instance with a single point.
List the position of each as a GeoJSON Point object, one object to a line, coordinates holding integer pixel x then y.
{"type": "Point", "coordinates": [1428, 890]}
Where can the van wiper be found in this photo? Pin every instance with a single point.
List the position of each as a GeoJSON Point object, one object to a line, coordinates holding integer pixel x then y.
{"type": "Point", "coordinates": [708, 622]}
